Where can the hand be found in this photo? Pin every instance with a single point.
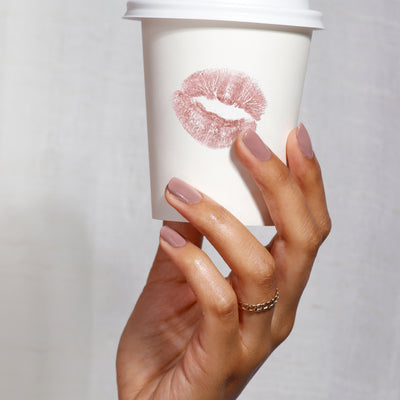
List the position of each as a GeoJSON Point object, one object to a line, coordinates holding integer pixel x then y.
{"type": "Point", "coordinates": [187, 339]}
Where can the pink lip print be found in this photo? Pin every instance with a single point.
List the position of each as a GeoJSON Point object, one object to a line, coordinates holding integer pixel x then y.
{"type": "Point", "coordinates": [232, 88]}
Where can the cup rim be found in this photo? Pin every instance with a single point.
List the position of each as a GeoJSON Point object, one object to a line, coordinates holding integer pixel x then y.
{"type": "Point", "coordinates": [224, 11]}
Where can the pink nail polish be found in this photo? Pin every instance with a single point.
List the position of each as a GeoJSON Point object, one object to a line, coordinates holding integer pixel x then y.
{"type": "Point", "coordinates": [304, 141]}
{"type": "Point", "coordinates": [183, 191]}
{"type": "Point", "coordinates": [172, 237]}
{"type": "Point", "coordinates": [256, 146]}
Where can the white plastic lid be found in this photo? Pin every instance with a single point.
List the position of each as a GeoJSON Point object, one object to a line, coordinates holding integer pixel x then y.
{"type": "Point", "coordinates": [275, 12]}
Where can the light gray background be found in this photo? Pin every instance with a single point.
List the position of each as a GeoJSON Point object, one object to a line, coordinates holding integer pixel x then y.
{"type": "Point", "coordinates": [77, 239]}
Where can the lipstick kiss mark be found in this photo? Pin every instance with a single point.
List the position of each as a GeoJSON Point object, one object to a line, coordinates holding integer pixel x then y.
{"type": "Point", "coordinates": [231, 88]}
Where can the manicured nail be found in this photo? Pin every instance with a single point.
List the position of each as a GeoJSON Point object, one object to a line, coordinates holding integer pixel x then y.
{"type": "Point", "coordinates": [172, 237]}
{"type": "Point", "coordinates": [304, 141]}
{"type": "Point", "coordinates": [256, 146]}
{"type": "Point", "coordinates": [183, 191]}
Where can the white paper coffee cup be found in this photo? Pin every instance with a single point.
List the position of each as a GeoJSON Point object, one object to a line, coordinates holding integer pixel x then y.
{"type": "Point", "coordinates": [213, 69]}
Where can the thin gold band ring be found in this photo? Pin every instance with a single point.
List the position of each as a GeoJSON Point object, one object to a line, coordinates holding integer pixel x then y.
{"type": "Point", "coordinates": [261, 307]}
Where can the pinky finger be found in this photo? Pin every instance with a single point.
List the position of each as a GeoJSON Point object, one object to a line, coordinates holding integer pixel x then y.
{"type": "Point", "coordinates": [305, 168]}
{"type": "Point", "coordinates": [216, 298]}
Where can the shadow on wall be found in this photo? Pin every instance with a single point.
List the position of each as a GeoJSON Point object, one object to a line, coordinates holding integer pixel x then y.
{"type": "Point", "coordinates": [45, 274]}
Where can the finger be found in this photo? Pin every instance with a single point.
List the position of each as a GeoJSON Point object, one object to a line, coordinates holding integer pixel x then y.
{"type": "Point", "coordinates": [219, 325]}
{"type": "Point", "coordinates": [298, 233]}
{"type": "Point", "coordinates": [164, 270]}
{"type": "Point", "coordinates": [286, 203]}
{"type": "Point", "coordinates": [253, 277]}
{"type": "Point", "coordinates": [305, 169]}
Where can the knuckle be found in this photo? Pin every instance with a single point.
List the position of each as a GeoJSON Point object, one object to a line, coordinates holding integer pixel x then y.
{"type": "Point", "coordinates": [224, 306]}
{"type": "Point", "coordinates": [277, 173]}
{"type": "Point", "coordinates": [219, 215]}
{"type": "Point", "coordinates": [311, 238]}
{"type": "Point", "coordinates": [314, 241]}
{"type": "Point", "coordinates": [263, 270]}
{"type": "Point", "coordinates": [326, 227]}
{"type": "Point", "coordinates": [282, 175]}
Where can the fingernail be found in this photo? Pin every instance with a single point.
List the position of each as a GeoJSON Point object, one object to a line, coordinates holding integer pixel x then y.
{"type": "Point", "coordinates": [172, 237]}
{"type": "Point", "coordinates": [183, 191]}
{"type": "Point", "coordinates": [256, 146]}
{"type": "Point", "coordinates": [304, 141]}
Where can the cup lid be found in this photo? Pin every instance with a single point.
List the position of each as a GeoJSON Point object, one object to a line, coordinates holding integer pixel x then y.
{"type": "Point", "coordinates": [275, 12]}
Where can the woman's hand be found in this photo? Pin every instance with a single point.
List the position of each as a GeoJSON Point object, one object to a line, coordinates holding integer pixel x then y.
{"type": "Point", "coordinates": [187, 339]}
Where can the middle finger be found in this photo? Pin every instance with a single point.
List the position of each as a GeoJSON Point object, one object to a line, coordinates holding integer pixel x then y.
{"type": "Point", "coordinates": [253, 267]}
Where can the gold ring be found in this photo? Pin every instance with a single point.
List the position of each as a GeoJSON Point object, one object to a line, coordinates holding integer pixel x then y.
{"type": "Point", "coordinates": [262, 306]}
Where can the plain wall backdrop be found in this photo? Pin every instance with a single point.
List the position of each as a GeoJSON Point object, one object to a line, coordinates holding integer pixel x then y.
{"type": "Point", "coordinates": [76, 234]}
